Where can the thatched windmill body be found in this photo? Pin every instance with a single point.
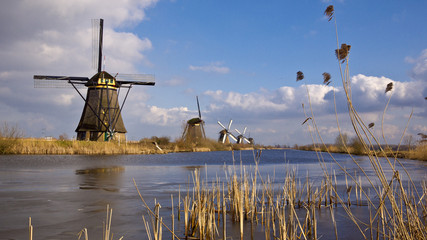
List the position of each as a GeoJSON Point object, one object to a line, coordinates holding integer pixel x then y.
{"type": "Point", "coordinates": [101, 119]}
{"type": "Point", "coordinates": [194, 129]}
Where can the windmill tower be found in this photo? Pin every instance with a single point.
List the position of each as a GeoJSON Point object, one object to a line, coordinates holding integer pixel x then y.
{"type": "Point", "coordinates": [225, 134]}
{"type": "Point", "coordinates": [241, 139]}
{"type": "Point", "coordinates": [101, 119]}
{"type": "Point", "coordinates": [194, 129]}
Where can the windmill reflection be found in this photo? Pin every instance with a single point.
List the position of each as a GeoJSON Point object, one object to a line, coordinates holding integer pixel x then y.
{"type": "Point", "coordinates": [105, 178]}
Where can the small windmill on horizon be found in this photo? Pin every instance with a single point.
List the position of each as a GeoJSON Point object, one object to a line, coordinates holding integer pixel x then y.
{"type": "Point", "coordinates": [194, 129]}
{"type": "Point", "coordinates": [241, 139]}
{"type": "Point", "coordinates": [101, 119]}
{"type": "Point", "coordinates": [225, 134]}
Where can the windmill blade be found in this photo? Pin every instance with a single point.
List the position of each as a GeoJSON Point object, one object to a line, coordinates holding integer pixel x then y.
{"type": "Point", "coordinates": [135, 79]}
{"type": "Point", "coordinates": [238, 131]}
{"type": "Point", "coordinates": [244, 131]}
{"type": "Point", "coordinates": [232, 136]}
{"type": "Point", "coordinates": [97, 40]}
{"type": "Point", "coordinates": [224, 137]}
{"type": "Point", "coordinates": [222, 125]}
{"type": "Point", "coordinates": [61, 78]}
{"type": "Point", "coordinates": [247, 140]}
{"type": "Point", "coordinates": [42, 81]}
{"type": "Point", "coordinates": [198, 107]}
{"type": "Point", "coordinates": [229, 125]}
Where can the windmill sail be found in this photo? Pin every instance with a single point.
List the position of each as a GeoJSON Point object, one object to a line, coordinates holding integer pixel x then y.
{"type": "Point", "coordinates": [41, 81]}
{"type": "Point", "coordinates": [97, 40]}
{"type": "Point", "coordinates": [135, 79]}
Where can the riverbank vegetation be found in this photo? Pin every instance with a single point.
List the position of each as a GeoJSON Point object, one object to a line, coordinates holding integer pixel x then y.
{"type": "Point", "coordinates": [417, 151]}
{"type": "Point", "coordinates": [154, 145]}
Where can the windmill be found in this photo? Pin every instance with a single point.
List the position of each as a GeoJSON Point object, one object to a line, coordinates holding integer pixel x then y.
{"type": "Point", "coordinates": [101, 119]}
{"type": "Point", "coordinates": [225, 134]}
{"type": "Point", "coordinates": [194, 129]}
{"type": "Point", "coordinates": [241, 137]}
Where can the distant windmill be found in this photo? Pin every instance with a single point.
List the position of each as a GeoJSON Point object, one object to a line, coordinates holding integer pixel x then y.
{"type": "Point", "coordinates": [101, 118]}
{"type": "Point", "coordinates": [194, 129]}
{"type": "Point", "coordinates": [241, 137]}
{"type": "Point", "coordinates": [225, 134]}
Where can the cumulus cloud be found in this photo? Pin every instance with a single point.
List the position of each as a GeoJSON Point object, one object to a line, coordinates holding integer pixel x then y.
{"type": "Point", "coordinates": [215, 67]}
{"type": "Point", "coordinates": [64, 99]}
{"type": "Point", "coordinates": [56, 35]}
{"type": "Point", "coordinates": [419, 71]}
{"type": "Point", "coordinates": [154, 115]}
{"type": "Point", "coordinates": [369, 92]}
{"type": "Point", "coordinates": [285, 100]}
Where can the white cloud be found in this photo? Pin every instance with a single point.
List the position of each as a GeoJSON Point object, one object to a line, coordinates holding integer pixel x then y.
{"type": "Point", "coordinates": [280, 100]}
{"type": "Point", "coordinates": [371, 87]}
{"type": "Point", "coordinates": [369, 92]}
{"type": "Point", "coordinates": [125, 50]}
{"type": "Point", "coordinates": [215, 67]}
{"type": "Point", "coordinates": [165, 116]}
{"type": "Point", "coordinates": [64, 99]}
{"type": "Point", "coordinates": [419, 71]}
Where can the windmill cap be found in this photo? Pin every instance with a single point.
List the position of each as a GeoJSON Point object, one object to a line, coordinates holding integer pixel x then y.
{"type": "Point", "coordinates": [194, 121]}
{"type": "Point", "coordinates": [94, 80]}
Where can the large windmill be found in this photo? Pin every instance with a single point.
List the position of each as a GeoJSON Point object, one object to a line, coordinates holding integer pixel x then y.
{"type": "Point", "coordinates": [101, 118]}
{"type": "Point", "coordinates": [194, 129]}
{"type": "Point", "coordinates": [225, 134]}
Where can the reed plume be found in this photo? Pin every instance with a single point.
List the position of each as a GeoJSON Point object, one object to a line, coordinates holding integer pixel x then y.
{"type": "Point", "coordinates": [329, 12]}
{"type": "Point", "coordinates": [300, 76]}
{"type": "Point", "coordinates": [326, 78]}
{"type": "Point", "coordinates": [389, 87]}
{"type": "Point", "coordinates": [343, 52]}
{"type": "Point", "coordinates": [306, 120]}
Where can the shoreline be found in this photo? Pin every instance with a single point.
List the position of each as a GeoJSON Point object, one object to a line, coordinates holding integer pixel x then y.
{"type": "Point", "coordinates": [35, 146]}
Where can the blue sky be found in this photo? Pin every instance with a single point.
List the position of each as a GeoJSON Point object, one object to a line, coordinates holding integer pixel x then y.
{"type": "Point", "coordinates": [239, 57]}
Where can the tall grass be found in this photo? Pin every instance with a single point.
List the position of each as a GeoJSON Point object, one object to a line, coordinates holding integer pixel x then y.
{"type": "Point", "coordinates": [9, 135]}
{"type": "Point", "coordinates": [146, 146]}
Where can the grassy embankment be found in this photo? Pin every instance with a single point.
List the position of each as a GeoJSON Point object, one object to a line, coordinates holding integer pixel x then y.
{"type": "Point", "coordinates": [419, 152]}
{"type": "Point", "coordinates": [146, 146]}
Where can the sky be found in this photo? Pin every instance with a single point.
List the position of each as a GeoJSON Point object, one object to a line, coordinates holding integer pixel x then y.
{"type": "Point", "coordinates": [239, 57]}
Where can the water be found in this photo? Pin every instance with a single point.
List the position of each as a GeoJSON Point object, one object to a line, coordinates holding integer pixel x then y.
{"type": "Point", "coordinates": [64, 194]}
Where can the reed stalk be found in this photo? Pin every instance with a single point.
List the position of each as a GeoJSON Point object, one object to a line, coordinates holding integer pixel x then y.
{"type": "Point", "coordinates": [30, 229]}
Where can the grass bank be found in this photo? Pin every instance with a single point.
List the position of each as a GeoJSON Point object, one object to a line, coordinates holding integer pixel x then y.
{"type": "Point", "coordinates": [418, 153]}
{"type": "Point", "coordinates": [145, 146]}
